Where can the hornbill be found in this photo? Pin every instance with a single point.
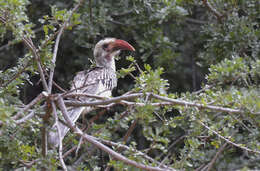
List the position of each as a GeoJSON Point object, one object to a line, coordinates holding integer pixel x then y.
{"type": "Point", "coordinates": [97, 81]}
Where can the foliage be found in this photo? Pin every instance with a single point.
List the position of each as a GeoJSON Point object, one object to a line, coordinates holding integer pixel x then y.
{"type": "Point", "coordinates": [182, 46]}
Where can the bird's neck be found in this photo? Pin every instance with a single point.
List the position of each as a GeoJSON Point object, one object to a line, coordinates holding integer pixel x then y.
{"type": "Point", "coordinates": [112, 64]}
{"type": "Point", "coordinates": [109, 64]}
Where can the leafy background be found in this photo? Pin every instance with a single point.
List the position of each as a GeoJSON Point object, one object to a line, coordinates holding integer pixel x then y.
{"type": "Point", "coordinates": [181, 41]}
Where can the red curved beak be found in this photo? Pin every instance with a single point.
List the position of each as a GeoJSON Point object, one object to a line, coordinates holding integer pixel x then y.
{"type": "Point", "coordinates": [122, 45]}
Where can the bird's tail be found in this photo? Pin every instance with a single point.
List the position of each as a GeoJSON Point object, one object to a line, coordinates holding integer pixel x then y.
{"type": "Point", "coordinates": [53, 136]}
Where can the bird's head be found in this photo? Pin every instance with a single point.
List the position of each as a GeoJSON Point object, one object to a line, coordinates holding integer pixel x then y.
{"type": "Point", "coordinates": [106, 49]}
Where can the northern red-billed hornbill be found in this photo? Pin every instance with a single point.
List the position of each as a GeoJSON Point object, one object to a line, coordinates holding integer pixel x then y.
{"type": "Point", "coordinates": [97, 81]}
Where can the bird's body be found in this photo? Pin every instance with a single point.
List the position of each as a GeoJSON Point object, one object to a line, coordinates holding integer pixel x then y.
{"type": "Point", "coordinates": [97, 81]}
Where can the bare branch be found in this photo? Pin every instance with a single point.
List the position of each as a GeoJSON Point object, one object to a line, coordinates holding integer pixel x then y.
{"type": "Point", "coordinates": [54, 57]}
{"type": "Point", "coordinates": [228, 141]}
{"type": "Point", "coordinates": [198, 105]}
{"type": "Point", "coordinates": [44, 131]}
{"type": "Point", "coordinates": [129, 131]}
{"type": "Point", "coordinates": [93, 141]}
{"type": "Point", "coordinates": [57, 44]}
{"type": "Point", "coordinates": [28, 42]}
{"type": "Point", "coordinates": [105, 102]}
{"type": "Point", "coordinates": [44, 141]}
{"type": "Point", "coordinates": [59, 136]}
{"type": "Point", "coordinates": [121, 146]}
{"type": "Point", "coordinates": [221, 149]}
{"type": "Point", "coordinates": [166, 101]}
{"type": "Point", "coordinates": [65, 95]}
{"type": "Point", "coordinates": [119, 156]}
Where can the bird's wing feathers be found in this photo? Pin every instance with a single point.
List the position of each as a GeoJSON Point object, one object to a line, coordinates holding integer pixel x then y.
{"type": "Point", "coordinates": [98, 81]}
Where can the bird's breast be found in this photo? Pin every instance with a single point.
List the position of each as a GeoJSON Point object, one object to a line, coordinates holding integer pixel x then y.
{"type": "Point", "coordinates": [107, 81]}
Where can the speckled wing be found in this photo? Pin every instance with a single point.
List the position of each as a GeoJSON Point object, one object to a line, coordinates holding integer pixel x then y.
{"type": "Point", "coordinates": [98, 81]}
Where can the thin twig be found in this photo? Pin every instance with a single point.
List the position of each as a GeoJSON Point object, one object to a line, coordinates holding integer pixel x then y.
{"type": "Point", "coordinates": [195, 21]}
{"type": "Point", "coordinates": [104, 102]}
{"type": "Point", "coordinates": [24, 119]}
{"type": "Point", "coordinates": [121, 146]}
{"type": "Point", "coordinates": [70, 151]}
{"type": "Point", "coordinates": [28, 42]}
{"type": "Point", "coordinates": [228, 141]}
{"type": "Point", "coordinates": [59, 87]}
{"type": "Point", "coordinates": [213, 10]}
{"type": "Point", "coordinates": [29, 164]}
{"type": "Point", "coordinates": [16, 75]}
{"type": "Point", "coordinates": [221, 149]}
{"type": "Point", "coordinates": [173, 144]}
{"type": "Point", "coordinates": [30, 105]}
{"type": "Point", "coordinates": [129, 131]}
{"type": "Point", "coordinates": [54, 57]}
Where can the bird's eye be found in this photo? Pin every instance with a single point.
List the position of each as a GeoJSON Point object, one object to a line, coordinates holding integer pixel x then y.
{"type": "Point", "coordinates": [105, 46]}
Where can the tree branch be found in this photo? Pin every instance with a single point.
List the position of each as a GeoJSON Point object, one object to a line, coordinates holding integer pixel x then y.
{"type": "Point", "coordinates": [73, 95]}
{"type": "Point", "coordinates": [211, 164]}
{"type": "Point", "coordinates": [228, 141]}
{"type": "Point", "coordinates": [28, 42]}
{"type": "Point", "coordinates": [55, 51]}
{"type": "Point", "coordinates": [121, 146]}
{"type": "Point", "coordinates": [166, 101]}
{"type": "Point", "coordinates": [16, 75]}
{"type": "Point", "coordinates": [24, 119]}
{"type": "Point", "coordinates": [59, 136]}
{"type": "Point", "coordinates": [28, 106]}
{"type": "Point", "coordinates": [213, 10]}
{"type": "Point", "coordinates": [198, 105]}
{"type": "Point", "coordinates": [96, 143]}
